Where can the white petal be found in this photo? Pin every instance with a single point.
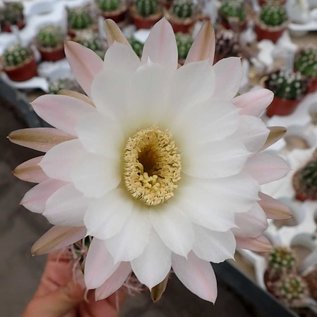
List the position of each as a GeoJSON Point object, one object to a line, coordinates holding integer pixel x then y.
{"type": "Point", "coordinates": [217, 160]}
{"type": "Point", "coordinates": [160, 46]}
{"type": "Point", "coordinates": [153, 265]}
{"type": "Point", "coordinates": [114, 282]}
{"type": "Point", "coordinates": [214, 246]}
{"type": "Point", "coordinates": [94, 175]}
{"type": "Point", "coordinates": [174, 229]}
{"type": "Point", "coordinates": [106, 216]}
{"type": "Point", "coordinates": [266, 167]}
{"type": "Point", "coordinates": [58, 161]}
{"type": "Point", "coordinates": [228, 73]}
{"type": "Point", "coordinates": [252, 223]}
{"type": "Point", "coordinates": [35, 199]}
{"type": "Point", "coordinates": [66, 207]}
{"type": "Point", "coordinates": [130, 242]}
{"type": "Point", "coordinates": [197, 275]}
{"type": "Point", "coordinates": [99, 264]}
{"type": "Point", "coordinates": [100, 135]}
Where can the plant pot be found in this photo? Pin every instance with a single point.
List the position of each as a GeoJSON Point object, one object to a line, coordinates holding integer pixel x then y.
{"type": "Point", "coordinates": [264, 2]}
{"type": "Point", "coordinates": [181, 25]}
{"type": "Point", "coordinates": [265, 32]}
{"type": "Point", "coordinates": [22, 72]}
{"type": "Point", "coordinates": [232, 23]}
{"type": "Point", "coordinates": [312, 85]}
{"type": "Point", "coordinates": [144, 22]}
{"type": "Point", "coordinates": [282, 107]}
{"type": "Point", "coordinates": [7, 27]}
{"type": "Point", "coordinates": [116, 15]}
{"type": "Point", "coordinates": [52, 54]}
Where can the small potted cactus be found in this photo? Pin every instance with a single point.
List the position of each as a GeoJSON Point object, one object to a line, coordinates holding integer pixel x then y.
{"type": "Point", "coordinates": [112, 9]}
{"type": "Point", "coordinates": [19, 63]}
{"type": "Point", "coordinates": [280, 261]}
{"type": "Point", "coordinates": [182, 15]}
{"type": "Point", "coordinates": [306, 63]}
{"type": "Point", "coordinates": [136, 45]}
{"type": "Point", "coordinates": [264, 2]}
{"type": "Point", "coordinates": [232, 15]}
{"type": "Point", "coordinates": [184, 43]}
{"type": "Point", "coordinates": [50, 43]}
{"type": "Point", "coordinates": [305, 182]}
{"type": "Point", "coordinates": [271, 22]}
{"type": "Point", "coordinates": [91, 41]}
{"type": "Point", "coordinates": [79, 20]}
{"type": "Point", "coordinates": [289, 88]}
{"type": "Point", "coordinates": [145, 13]}
{"type": "Point", "coordinates": [12, 15]}
{"type": "Point", "coordinates": [227, 44]}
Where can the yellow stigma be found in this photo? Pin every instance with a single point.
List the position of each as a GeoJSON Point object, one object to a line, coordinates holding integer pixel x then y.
{"type": "Point", "coordinates": [151, 166]}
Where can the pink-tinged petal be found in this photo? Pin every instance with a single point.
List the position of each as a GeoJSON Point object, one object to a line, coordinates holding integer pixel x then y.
{"type": "Point", "coordinates": [57, 238]}
{"type": "Point", "coordinates": [85, 64]}
{"type": "Point", "coordinates": [114, 33]}
{"type": "Point", "coordinates": [30, 171]}
{"type": "Point", "coordinates": [99, 265]}
{"type": "Point", "coordinates": [197, 275]}
{"type": "Point", "coordinates": [153, 265]}
{"type": "Point", "coordinates": [228, 73]}
{"type": "Point", "coordinates": [77, 95]}
{"type": "Point", "coordinates": [254, 103]}
{"type": "Point", "coordinates": [40, 139]}
{"type": "Point", "coordinates": [62, 112]}
{"type": "Point", "coordinates": [258, 244]}
{"type": "Point", "coordinates": [214, 246]}
{"type": "Point", "coordinates": [273, 208]}
{"type": "Point", "coordinates": [35, 199]}
{"type": "Point", "coordinates": [266, 167]}
{"type": "Point", "coordinates": [174, 228]}
{"type": "Point", "coordinates": [114, 282]}
{"type": "Point", "coordinates": [252, 223]}
{"type": "Point", "coordinates": [203, 47]}
{"type": "Point", "coordinates": [58, 162]}
{"type": "Point", "coordinates": [66, 207]}
{"type": "Point", "coordinates": [160, 47]}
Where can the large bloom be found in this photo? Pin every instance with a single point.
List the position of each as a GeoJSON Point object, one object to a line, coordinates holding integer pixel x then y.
{"type": "Point", "coordinates": [159, 164]}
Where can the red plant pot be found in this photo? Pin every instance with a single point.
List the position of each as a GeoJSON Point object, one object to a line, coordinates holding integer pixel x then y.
{"type": "Point", "coordinates": [264, 2]}
{"type": "Point", "coordinates": [52, 54]}
{"type": "Point", "coordinates": [282, 107]}
{"type": "Point", "coordinates": [117, 15]}
{"type": "Point", "coordinates": [22, 72]}
{"type": "Point", "coordinates": [142, 22]}
{"type": "Point", "coordinates": [7, 27]}
{"type": "Point", "coordinates": [233, 23]}
{"type": "Point", "coordinates": [182, 26]}
{"type": "Point", "coordinates": [312, 85]}
{"type": "Point", "coordinates": [264, 32]}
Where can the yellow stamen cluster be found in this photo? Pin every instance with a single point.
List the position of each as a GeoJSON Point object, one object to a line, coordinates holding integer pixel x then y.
{"type": "Point", "coordinates": [151, 166]}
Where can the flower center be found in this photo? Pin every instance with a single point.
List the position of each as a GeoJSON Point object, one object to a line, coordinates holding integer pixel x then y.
{"type": "Point", "coordinates": [151, 166]}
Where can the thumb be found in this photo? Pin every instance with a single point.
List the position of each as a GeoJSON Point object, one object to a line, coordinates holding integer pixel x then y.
{"type": "Point", "coordinates": [56, 304]}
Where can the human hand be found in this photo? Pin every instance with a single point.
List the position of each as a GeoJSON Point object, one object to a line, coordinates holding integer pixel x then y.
{"type": "Point", "coordinates": [59, 296]}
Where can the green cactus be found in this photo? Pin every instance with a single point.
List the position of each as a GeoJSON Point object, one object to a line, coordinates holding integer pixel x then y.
{"type": "Point", "coordinates": [184, 43]}
{"type": "Point", "coordinates": [49, 37]}
{"type": "Point", "coordinates": [306, 62]}
{"type": "Point", "coordinates": [63, 83]}
{"type": "Point", "coordinates": [16, 55]}
{"type": "Point", "coordinates": [136, 45]}
{"type": "Point", "coordinates": [92, 42]}
{"type": "Point", "coordinates": [12, 12]}
{"type": "Point", "coordinates": [79, 19]}
{"type": "Point", "coordinates": [287, 85]}
{"type": "Point", "coordinates": [273, 15]}
{"type": "Point", "coordinates": [290, 289]}
{"type": "Point", "coordinates": [146, 8]}
{"type": "Point", "coordinates": [108, 5]}
{"type": "Point", "coordinates": [233, 9]}
{"type": "Point", "coordinates": [281, 260]}
{"type": "Point", "coordinates": [183, 9]}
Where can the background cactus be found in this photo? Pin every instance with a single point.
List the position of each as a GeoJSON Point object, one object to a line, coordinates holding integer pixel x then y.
{"type": "Point", "coordinates": [273, 15]}
{"type": "Point", "coordinates": [281, 260]}
{"type": "Point", "coordinates": [136, 45]}
{"type": "Point", "coordinates": [233, 9]}
{"type": "Point", "coordinates": [184, 43]}
{"type": "Point", "coordinates": [50, 37]}
{"type": "Point", "coordinates": [183, 8]}
{"type": "Point", "coordinates": [63, 83]}
{"type": "Point", "coordinates": [306, 62]}
{"type": "Point", "coordinates": [108, 5]}
{"type": "Point", "coordinates": [79, 19]}
{"type": "Point", "coordinates": [92, 42]}
{"type": "Point", "coordinates": [12, 13]}
{"type": "Point", "coordinates": [287, 85]}
{"type": "Point", "coordinates": [16, 55]}
{"type": "Point", "coordinates": [146, 8]}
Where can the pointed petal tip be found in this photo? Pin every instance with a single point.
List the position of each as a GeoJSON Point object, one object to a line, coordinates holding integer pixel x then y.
{"type": "Point", "coordinates": [276, 133]}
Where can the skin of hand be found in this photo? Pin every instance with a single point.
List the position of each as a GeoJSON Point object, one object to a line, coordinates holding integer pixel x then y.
{"type": "Point", "coordinates": [58, 295]}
